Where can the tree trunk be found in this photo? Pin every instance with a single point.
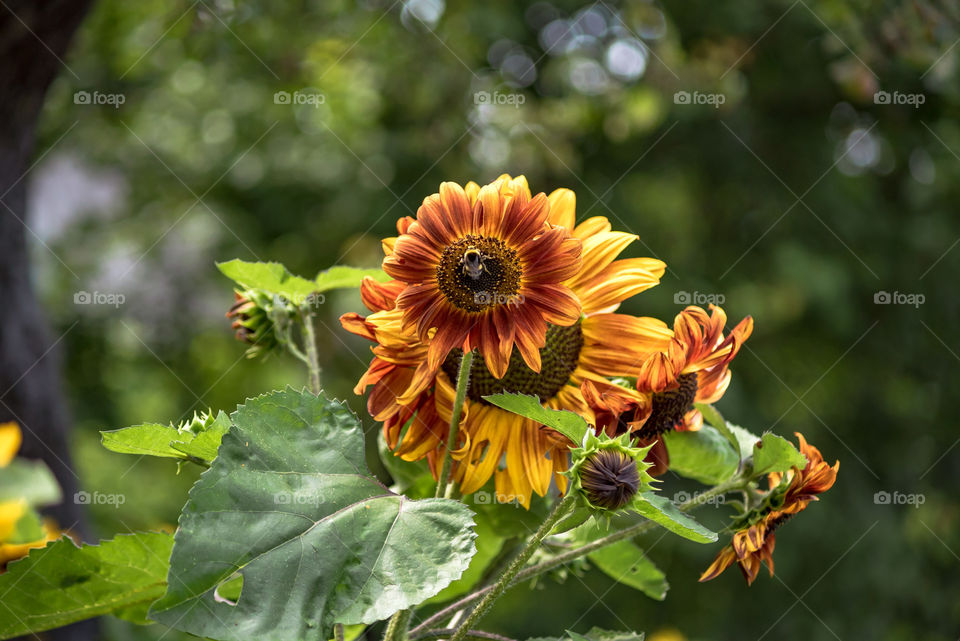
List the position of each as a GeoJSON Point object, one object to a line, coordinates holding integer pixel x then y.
{"type": "Point", "coordinates": [34, 35]}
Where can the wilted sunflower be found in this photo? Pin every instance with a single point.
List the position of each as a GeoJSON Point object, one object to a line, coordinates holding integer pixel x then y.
{"type": "Point", "coordinates": [597, 344]}
{"type": "Point", "coordinates": [692, 368]}
{"type": "Point", "coordinates": [790, 494]}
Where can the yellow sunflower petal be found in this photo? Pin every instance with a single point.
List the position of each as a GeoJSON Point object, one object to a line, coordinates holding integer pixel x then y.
{"type": "Point", "coordinates": [10, 440]}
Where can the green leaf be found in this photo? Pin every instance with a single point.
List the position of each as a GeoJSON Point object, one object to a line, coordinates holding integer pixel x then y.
{"type": "Point", "coordinates": [624, 562]}
{"type": "Point", "coordinates": [29, 480]}
{"type": "Point", "coordinates": [574, 519]}
{"type": "Point", "coordinates": [488, 548]}
{"type": "Point", "coordinates": [775, 454]}
{"type": "Point", "coordinates": [341, 276]}
{"type": "Point", "coordinates": [745, 439]}
{"type": "Point", "coordinates": [203, 445]}
{"type": "Point", "coordinates": [599, 634]}
{"type": "Point", "coordinates": [567, 423]}
{"type": "Point", "coordinates": [290, 505]}
{"type": "Point", "coordinates": [270, 277]}
{"type": "Point", "coordinates": [153, 439]}
{"type": "Point", "coordinates": [148, 439]}
{"type": "Point", "coordinates": [704, 455]}
{"type": "Point", "coordinates": [63, 583]}
{"type": "Point", "coordinates": [594, 634]}
{"type": "Point", "coordinates": [715, 419]}
{"type": "Point", "coordinates": [28, 528]}
{"type": "Point", "coordinates": [660, 510]}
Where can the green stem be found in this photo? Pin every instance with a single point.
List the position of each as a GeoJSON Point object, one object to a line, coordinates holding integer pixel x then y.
{"type": "Point", "coordinates": [505, 580]}
{"type": "Point", "coordinates": [397, 627]}
{"type": "Point", "coordinates": [472, 635]}
{"type": "Point", "coordinates": [463, 381]}
{"type": "Point", "coordinates": [338, 632]}
{"type": "Point", "coordinates": [313, 360]}
{"type": "Point", "coordinates": [561, 559]}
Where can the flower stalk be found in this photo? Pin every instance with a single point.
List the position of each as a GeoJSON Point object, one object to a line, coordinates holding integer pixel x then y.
{"type": "Point", "coordinates": [733, 484]}
{"type": "Point", "coordinates": [313, 360]}
{"type": "Point", "coordinates": [463, 382]}
{"type": "Point", "coordinates": [506, 579]}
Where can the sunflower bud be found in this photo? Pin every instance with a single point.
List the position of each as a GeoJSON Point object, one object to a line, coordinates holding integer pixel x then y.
{"type": "Point", "coordinates": [253, 322]}
{"type": "Point", "coordinates": [609, 472]}
{"type": "Point", "coordinates": [199, 423]}
{"type": "Point", "coordinates": [610, 479]}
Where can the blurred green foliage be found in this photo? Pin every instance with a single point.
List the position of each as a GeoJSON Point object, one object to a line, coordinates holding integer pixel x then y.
{"type": "Point", "coordinates": [796, 200]}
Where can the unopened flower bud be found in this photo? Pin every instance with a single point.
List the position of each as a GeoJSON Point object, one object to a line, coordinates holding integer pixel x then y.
{"type": "Point", "coordinates": [610, 479]}
{"type": "Point", "coordinates": [252, 322]}
{"type": "Point", "coordinates": [609, 472]}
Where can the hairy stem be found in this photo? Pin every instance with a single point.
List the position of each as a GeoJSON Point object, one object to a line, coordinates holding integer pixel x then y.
{"type": "Point", "coordinates": [338, 632]}
{"type": "Point", "coordinates": [472, 635]}
{"type": "Point", "coordinates": [397, 627]}
{"type": "Point", "coordinates": [463, 381]}
{"type": "Point", "coordinates": [505, 580]}
{"type": "Point", "coordinates": [561, 559]}
{"type": "Point", "coordinates": [313, 360]}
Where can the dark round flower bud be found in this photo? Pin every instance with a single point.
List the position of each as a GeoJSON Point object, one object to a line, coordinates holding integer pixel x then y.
{"type": "Point", "coordinates": [610, 479]}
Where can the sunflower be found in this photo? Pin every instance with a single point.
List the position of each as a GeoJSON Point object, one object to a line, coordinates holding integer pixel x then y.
{"type": "Point", "coordinates": [409, 392]}
{"type": "Point", "coordinates": [754, 544]}
{"type": "Point", "coordinates": [12, 511]}
{"type": "Point", "coordinates": [485, 272]}
{"type": "Point", "coordinates": [693, 367]}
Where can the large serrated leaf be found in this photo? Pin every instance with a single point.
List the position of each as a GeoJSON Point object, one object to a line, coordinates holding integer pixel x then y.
{"type": "Point", "coordinates": [63, 583]}
{"type": "Point", "coordinates": [567, 423]}
{"type": "Point", "coordinates": [290, 506]}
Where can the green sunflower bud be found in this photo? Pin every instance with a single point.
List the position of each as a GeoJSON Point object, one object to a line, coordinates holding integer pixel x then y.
{"type": "Point", "coordinates": [608, 472]}
{"type": "Point", "coordinates": [253, 316]}
{"type": "Point", "coordinates": [199, 423]}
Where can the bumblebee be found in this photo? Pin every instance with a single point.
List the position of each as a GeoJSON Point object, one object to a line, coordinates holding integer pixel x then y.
{"type": "Point", "coordinates": [473, 264]}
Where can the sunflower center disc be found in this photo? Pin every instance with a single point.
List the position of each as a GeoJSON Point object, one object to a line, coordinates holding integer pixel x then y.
{"type": "Point", "coordinates": [476, 273]}
{"type": "Point", "coordinates": [559, 358]}
{"type": "Point", "coordinates": [670, 406]}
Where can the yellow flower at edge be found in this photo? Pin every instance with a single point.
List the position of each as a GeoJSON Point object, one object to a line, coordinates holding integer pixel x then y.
{"type": "Point", "coordinates": [12, 511]}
